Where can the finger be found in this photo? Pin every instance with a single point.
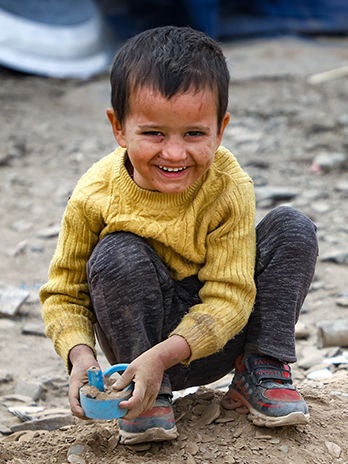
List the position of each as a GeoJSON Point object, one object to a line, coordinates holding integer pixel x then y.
{"type": "Point", "coordinates": [124, 380]}
{"type": "Point", "coordinates": [76, 409]}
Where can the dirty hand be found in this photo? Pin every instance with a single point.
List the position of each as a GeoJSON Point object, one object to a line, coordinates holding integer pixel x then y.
{"type": "Point", "coordinates": [146, 371]}
{"type": "Point", "coordinates": [82, 358]}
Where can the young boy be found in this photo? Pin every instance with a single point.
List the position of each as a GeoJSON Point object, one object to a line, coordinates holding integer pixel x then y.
{"type": "Point", "coordinates": [159, 256]}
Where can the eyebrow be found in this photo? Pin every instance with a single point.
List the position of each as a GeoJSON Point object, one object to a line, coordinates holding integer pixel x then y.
{"type": "Point", "coordinates": [159, 127]}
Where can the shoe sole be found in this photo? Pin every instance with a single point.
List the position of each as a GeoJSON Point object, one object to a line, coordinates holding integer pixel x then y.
{"type": "Point", "coordinates": [153, 434]}
{"type": "Point", "coordinates": [262, 420]}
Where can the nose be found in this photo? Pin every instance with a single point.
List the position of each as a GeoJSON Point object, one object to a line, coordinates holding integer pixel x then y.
{"type": "Point", "coordinates": [174, 150]}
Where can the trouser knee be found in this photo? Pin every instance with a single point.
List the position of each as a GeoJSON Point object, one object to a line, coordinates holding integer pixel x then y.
{"type": "Point", "coordinates": [288, 225]}
{"type": "Point", "coordinates": [116, 251]}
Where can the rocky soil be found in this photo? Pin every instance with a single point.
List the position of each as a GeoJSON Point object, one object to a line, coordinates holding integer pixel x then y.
{"type": "Point", "coordinates": [289, 129]}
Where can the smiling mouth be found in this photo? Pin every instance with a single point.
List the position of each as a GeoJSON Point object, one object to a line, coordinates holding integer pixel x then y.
{"type": "Point", "coordinates": [165, 169]}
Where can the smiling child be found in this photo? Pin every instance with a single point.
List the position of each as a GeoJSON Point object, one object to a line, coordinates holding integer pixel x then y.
{"type": "Point", "coordinates": [159, 257]}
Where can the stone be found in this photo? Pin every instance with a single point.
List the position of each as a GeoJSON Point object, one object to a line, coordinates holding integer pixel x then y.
{"type": "Point", "coordinates": [76, 454]}
{"type": "Point", "coordinates": [31, 389]}
{"type": "Point", "coordinates": [11, 299]}
{"type": "Point", "coordinates": [302, 332]}
{"type": "Point", "coordinates": [5, 377]}
{"type": "Point", "coordinates": [275, 194]}
{"type": "Point", "coordinates": [51, 423]}
{"type": "Point", "coordinates": [326, 162]}
{"type": "Point", "coordinates": [34, 328]}
{"type": "Point", "coordinates": [337, 257]}
{"type": "Point", "coordinates": [49, 232]}
{"type": "Point", "coordinates": [192, 448]}
{"type": "Point", "coordinates": [333, 449]}
{"type": "Point", "coordinates": [211, 413]}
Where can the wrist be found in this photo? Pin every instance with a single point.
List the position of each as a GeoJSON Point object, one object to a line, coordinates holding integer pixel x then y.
{"type": "Point", "coordinates": [80, 351]}
{"type": "Point", "coordinates": [173, 351]}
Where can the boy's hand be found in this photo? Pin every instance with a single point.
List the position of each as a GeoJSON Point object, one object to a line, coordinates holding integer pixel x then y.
{"type": "Point", "coordinates": [147, 370]}
{"type": "Point", "coordinates": [82, 358]}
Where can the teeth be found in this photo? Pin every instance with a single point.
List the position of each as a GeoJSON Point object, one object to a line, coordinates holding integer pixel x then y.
{"type": "Point", "coordinates": [172, 169]}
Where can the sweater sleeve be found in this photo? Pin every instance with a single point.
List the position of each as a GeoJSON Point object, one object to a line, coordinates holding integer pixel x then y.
{"type": "Point", "coordinates": [228, 293]}
{"type": "Point", "coordinates": [66, 305]}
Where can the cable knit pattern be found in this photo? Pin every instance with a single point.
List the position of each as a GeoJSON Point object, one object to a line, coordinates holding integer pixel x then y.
{"type": "Point", "coordinates": [207, 230]}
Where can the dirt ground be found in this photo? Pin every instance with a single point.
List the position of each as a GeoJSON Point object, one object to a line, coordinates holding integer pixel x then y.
{"type": "Point", "coordinates": [52, 130]}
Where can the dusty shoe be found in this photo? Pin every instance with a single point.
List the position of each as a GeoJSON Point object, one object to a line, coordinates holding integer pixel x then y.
{"type": "Point", "coordinates": [262, 386]}
{"type": "Point", "coordinates": [157, 424]}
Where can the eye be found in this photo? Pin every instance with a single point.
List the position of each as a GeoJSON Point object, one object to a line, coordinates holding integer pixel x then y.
{"type": "Point", "coordinates": [153, 133]}
{"type": "Point", "coordinates": [195, 133]}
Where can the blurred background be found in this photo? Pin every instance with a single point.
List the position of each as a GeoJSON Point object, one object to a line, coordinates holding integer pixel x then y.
{"type": "Point", "coordinates": [60, 38]}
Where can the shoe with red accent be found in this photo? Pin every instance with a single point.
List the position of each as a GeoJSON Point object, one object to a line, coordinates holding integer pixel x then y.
{"type": "Point", "coordinates": [157, 424]}
{"type": "Point", "coordinates": [262, 386]}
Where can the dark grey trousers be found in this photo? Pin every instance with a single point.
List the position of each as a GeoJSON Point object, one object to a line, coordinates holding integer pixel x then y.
{"type": "Point", "coordinates": [137, 303]}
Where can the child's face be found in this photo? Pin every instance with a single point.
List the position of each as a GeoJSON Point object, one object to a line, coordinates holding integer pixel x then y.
{"type": "Point", "coordinates": [170, 143]}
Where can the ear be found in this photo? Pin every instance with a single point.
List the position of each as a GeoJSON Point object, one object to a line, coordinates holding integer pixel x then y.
{"type": "Point", "coordinates": [116, 127]}
{"type": "Point", "coordinates": [224, 123]}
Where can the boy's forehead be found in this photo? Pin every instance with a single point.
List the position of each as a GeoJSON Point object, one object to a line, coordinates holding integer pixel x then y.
{"type": "Point", "coordinates": [147, 93]}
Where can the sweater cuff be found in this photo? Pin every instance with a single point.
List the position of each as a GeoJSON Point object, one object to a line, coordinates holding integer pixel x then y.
{"type": "Point", "coordinates": [197, 337]}
{"type": "Point", "coordinates": [64, 346]}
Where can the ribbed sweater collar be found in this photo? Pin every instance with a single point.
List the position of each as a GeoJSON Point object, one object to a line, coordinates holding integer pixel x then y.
{"type": "Point", "coordinates": [151, 198]}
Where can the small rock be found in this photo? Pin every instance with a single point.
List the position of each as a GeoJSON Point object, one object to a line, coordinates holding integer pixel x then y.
{"type": "Point", "coordinates": [333, 449]}
{"type": "Point", "coordinates": [321, 207]}
{"type": "Point", "coordinates": [5, 377]}
{"type": "Point", "coordinates": [140, 447]}
{"type": "Point", "coordinates": [327, 162]}
{"type": "Point", "coordinates": [49, 232]}
{"type": "Point", "coordinates": [211, 413]}
{"type": "Point", "coordinates": [319, 374]}
{"type": "Point", "coordinates": [4, 429]}
{"type": "Point", "coordinates": [310, 361]}
{"type": "Point", "coordinates": [342, 301]}
{"type": "Point", "coordinates": [275, 194]}
{"type": "Point", "coordinates": [284, 448]}
{"type": "Point", "coordinates": [342, 186]}
{"type": "Point", "coordinates": [11, 298]}
{"type": "Point", "coordinates": [190, 459]}
{"type": "Point", "coordinates": [338, 257]}
{"type": "Point", "coordinates": [51, 423]}
{"type": "Point", "coordinates": [32, 328]}
{"type": "Point", "coordinates": [76, 453]}
{"type": "Point", "coordinates": [30, 389]}
{"type": "Point", "coordinates": [192, 448]}
{"type": "Point", "coordinates": [302, 332]}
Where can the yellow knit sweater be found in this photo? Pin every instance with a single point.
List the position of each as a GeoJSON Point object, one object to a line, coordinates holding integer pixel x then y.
{"type": "Point", "coordinates": [207, 230]}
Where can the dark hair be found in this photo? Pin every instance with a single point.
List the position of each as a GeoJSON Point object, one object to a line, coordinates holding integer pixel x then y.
{"type": "Point", "coordinates": [171, 60]}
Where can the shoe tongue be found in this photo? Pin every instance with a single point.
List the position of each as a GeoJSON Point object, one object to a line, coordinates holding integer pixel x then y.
{"type": "Point", "coordinates": [265, 368]}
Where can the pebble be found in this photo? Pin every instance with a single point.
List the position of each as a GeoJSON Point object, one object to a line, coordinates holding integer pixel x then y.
{"type": "Point", "coordinates": [32, 390]}
{"type": "Point", "coordinates": [49, 232]}
{"type": "Point", "coordinates": [34, 328]}
{"type": "Point", "coordinates": [342, 186]}
{"type": "Point", "coordinates": [211, 413]}
{"type": "Point", "coordinates": [275, 194]}
{"type": "Point", "coordinates": [337, 257]}
{"type": "Point", "coordinates": [302, 332]}
{"type": "Point", "coordinates": [5, 377]}
{"type": "Point", "coordinates": [192, 448]}
{"type": "Point", "coordinates": [342, 301]}
{"type": "Point", "coordinates": [333, 449]}
{"type": "Point", "coordinates": [75, 454]}
{"type": "Point", "coordinates": [327, 162]}
{"type": "Point", "coordinates": [319, 374]}
{"type": "Point", "coordinates": [11, 299]}
{"type": "Point", "coordinates": [50, 423]}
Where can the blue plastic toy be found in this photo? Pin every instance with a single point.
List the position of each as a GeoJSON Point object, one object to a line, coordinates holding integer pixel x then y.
{"type": "Point", "coordinates": [103, 407]}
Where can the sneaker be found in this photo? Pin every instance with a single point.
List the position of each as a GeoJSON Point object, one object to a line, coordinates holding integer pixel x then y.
{"type": "Point", "coordinates": [262, 386]}
{"type": "Point", "coordinates": [157, 424]}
